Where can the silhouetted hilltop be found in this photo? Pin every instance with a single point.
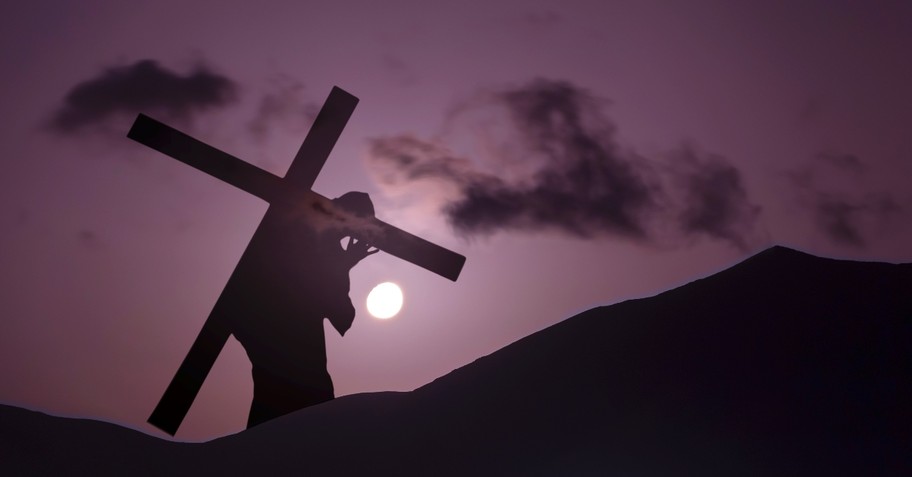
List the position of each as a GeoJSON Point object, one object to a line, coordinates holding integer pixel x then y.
{"type": "Point", "coordinates": [785, 364]}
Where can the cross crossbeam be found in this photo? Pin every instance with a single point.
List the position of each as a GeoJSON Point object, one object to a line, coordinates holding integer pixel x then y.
{"type": "Point", "coordinates": [290, 193]}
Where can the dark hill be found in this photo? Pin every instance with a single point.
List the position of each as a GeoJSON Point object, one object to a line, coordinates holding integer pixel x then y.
{"type": "Point", "coordinates": [785, 364]}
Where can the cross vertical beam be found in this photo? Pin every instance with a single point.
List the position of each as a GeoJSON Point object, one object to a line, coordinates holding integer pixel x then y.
{"type": "Point", "coordinates": [321, 139]}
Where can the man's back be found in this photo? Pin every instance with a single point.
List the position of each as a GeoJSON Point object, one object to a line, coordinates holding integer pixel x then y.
{"type": "Point", "coordinates": [277, 315]}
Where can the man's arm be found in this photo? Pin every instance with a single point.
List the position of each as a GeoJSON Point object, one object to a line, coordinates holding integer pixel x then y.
{"type": "Point", "coordinates": [339, 310]}
{"type": "Point", "coordinates": [343, 316]}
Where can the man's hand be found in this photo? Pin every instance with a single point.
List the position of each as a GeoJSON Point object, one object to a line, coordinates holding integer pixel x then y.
{"type": "Point", "coordinates": [357, 250]}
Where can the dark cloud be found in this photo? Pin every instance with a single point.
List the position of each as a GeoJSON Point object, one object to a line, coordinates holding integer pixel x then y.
{"type": "Point", "coordinates": [285, 106]}
{"type": "Point", "coordinates": [141, 87]}
{"type": "Point", "coordinates": [577, 179]}
{"type": "Point", "coordinates": [585, 185]}
{"type": "Point", "coordinates": [836, 218]}
{"type": "Point", "coordinates": [830, 188]}
{"type": "Point", "coordinates": [714, 202]}
{"type": "Point", "coordinates": [842, 219]}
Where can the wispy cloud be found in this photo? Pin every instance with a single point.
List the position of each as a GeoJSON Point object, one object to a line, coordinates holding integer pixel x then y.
{"type": "Point", "coordinates": [562, 169]}
{"type": "Point", "coordinates": [285, 106]}
{"type": "Point", "coordinates": [715, 202]}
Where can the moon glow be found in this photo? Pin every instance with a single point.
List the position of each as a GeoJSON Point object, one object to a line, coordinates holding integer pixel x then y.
{"type": "Point", "coordinates": [385, 300]}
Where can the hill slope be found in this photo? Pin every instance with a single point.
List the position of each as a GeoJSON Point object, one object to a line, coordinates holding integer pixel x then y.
{"type": "Point", "coordinates": [785, 364]}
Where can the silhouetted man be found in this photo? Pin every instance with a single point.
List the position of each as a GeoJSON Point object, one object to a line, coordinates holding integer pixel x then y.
{"type": "Point", "coordinates": [280, 306]}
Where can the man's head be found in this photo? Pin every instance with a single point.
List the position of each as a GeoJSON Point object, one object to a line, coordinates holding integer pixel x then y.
{"type": "Point", "coordinates": [357, 203]}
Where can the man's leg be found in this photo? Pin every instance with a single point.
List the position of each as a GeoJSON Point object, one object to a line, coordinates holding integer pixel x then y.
{"type": "Point", "coordinates": [274, 397]}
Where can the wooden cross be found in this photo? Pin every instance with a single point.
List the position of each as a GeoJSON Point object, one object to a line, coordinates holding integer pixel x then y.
{"type": "Point", "coordinates": [290, 193]}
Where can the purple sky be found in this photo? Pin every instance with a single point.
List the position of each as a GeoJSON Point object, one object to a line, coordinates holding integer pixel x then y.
{"type": "Point", "coordinates": [578, 153]}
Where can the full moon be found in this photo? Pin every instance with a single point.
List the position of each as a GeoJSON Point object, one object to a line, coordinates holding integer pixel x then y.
{"type": "Point", "coordinates": [385, 300]}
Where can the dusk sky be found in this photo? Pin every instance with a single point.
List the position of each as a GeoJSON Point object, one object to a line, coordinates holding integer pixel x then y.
{"type": "Point", "coordinates": [577, 153]}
